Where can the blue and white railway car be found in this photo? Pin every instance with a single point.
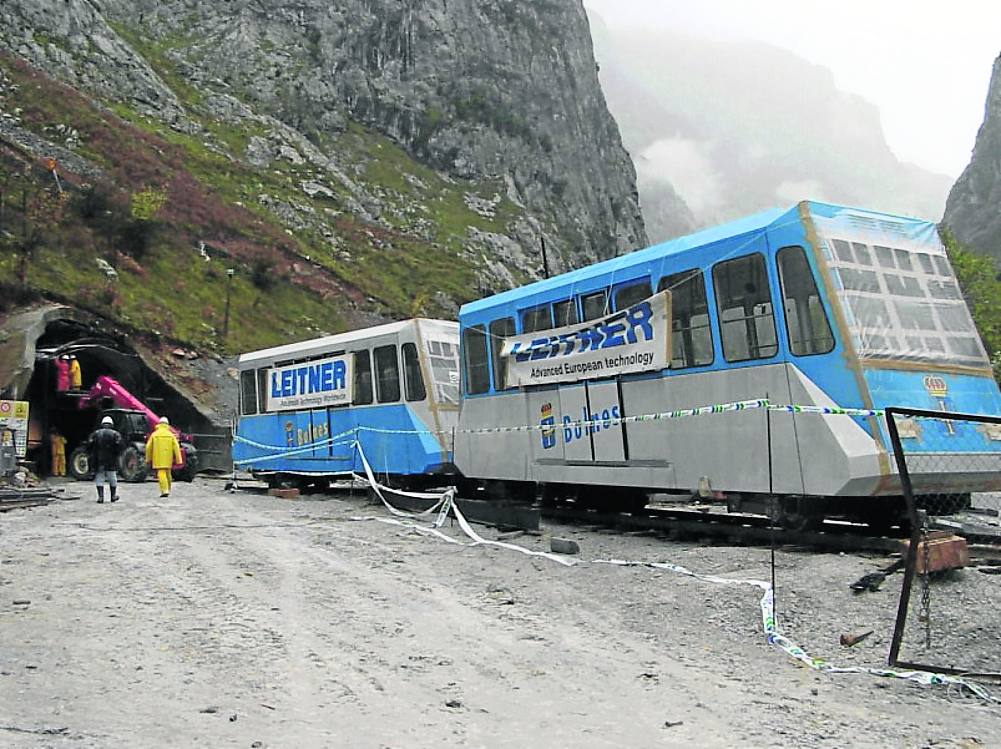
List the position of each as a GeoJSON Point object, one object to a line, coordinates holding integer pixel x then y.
{"type": "Point", "coordinates": [814, 305]}
{"type": "Point", "coordinates": [394, 388]}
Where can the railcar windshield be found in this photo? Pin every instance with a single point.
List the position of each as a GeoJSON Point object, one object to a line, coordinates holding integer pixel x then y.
{"type": "Point", "coordinates": [441, 344]}
{"type": "Point", "coordinates": [899, 294]}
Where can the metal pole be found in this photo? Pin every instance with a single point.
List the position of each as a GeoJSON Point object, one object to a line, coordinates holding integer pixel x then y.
{"type": "Point", "coordinates": [771, 501]}
{"type": "Point", "coordinates": [545, 258]}
{"type": "Point", "coordinates": [912, 549]}
{"type": "Point", "coordinates": [225, 322]}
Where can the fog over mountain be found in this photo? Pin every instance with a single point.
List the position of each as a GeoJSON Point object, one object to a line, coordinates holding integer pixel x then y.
{"type": "Point", "coordinates": [719, 129]}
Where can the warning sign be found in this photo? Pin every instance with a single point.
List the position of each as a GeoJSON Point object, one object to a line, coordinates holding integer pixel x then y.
{"type": "Point", "coordinates": [14, 425]}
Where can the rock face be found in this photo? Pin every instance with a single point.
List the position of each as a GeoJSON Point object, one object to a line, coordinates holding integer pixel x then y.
{"type": "Point", "coordinates": [475, 89]}
{"type": "Point", "coordinates": [973, 212]}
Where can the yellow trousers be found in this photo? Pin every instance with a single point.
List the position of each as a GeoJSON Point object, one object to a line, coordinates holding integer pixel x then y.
{"type": "Point", "coordinates": [59, 464]}
{"type": "Point", "coordinates": [163, 478]}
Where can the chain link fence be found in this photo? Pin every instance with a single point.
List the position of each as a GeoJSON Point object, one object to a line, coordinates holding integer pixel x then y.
{"type": "Point", "coordinates": [949, 613]}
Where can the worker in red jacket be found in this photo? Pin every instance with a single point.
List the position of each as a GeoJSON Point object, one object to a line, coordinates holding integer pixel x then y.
{"type": "Point", "coordinates": [62, 374]}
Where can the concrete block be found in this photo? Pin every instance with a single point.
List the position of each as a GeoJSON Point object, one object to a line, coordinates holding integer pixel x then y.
{"type": "Point", "coordinates": [564, 546]}
{"type": "Point", "coordinates": [284, 493]}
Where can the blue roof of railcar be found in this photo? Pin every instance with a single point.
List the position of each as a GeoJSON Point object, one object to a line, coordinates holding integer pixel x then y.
{"type": "Point", "coordinates": [701, 238]}
{"type": "Point", "coordinates": [747, 225]}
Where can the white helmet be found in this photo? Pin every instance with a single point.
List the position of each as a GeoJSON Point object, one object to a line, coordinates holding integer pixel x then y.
{"type": "Point", "coordinates": [107, 421]}
{"type": "Point", "coordinates": [165, 420]}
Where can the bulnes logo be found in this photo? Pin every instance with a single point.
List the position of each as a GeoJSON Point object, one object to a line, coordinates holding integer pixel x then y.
{"type": "Point", "coordinates": [936, 386]}
{"type": "Point", "coordinates": [548, 422]}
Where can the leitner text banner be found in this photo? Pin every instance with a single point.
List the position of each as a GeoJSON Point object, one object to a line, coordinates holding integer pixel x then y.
{"type": "Point", "coordinates": [315, 384]}
{"type": "Point", "coordinates": [637, 339]}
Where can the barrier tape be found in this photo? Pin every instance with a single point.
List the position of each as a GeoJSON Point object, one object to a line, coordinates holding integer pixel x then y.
{"type": "Point", "coordinates": [773, 635]}
{"type": "Point", "coordinates": [720, 408]}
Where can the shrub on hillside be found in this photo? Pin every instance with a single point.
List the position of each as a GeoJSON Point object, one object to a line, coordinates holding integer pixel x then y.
{"type": "Point", "coordinates": [262, 273]}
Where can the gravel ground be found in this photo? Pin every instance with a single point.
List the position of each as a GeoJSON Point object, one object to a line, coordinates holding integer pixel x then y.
{"type": "Point", "coordinates": [217, 619]}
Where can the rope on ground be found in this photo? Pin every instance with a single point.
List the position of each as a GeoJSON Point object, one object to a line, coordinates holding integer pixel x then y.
{"type": "Point", "coordinates": [773, 634]}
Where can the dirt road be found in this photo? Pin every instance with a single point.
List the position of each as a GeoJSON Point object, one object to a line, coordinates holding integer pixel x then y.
{"type": "Point", "coordinates": [215, 620]}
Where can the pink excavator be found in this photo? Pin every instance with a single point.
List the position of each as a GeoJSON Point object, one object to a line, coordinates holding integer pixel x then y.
{"type": "Point", "coordinates": [134, 420]}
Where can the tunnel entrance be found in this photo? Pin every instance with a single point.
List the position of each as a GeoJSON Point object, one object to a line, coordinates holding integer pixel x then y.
{"type": "Point", "coordinates": [74, 411]}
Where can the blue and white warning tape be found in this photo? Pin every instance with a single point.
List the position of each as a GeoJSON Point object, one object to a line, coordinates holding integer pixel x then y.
{"type": "Point", "coordinates": [773, 635]}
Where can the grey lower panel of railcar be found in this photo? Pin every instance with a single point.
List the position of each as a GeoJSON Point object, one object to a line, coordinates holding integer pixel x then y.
{"type": "Point", "coordinates": [811, 454]}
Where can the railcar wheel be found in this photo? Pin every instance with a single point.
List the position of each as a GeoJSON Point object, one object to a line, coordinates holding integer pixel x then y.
{"type": "Point", "coordinates": [798, 515]}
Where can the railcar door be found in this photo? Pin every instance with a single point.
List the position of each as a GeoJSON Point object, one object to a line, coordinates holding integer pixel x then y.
{"type": "Point", "coordinates": [577, 446]}
{"type": "Point", "coordinates": [587, 412]}
{"type": "Point", "coordinates": [604, 405]}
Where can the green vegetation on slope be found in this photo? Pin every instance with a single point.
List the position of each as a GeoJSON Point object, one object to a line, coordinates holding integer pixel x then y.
{"type": "Point", "coordinates": [979, 279]}
{"type": "Point", "coordinates": [303, 261]}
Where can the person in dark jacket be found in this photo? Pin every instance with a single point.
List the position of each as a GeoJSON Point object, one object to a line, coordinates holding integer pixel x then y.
{"type": "Point", "coordinates": [105, 446]}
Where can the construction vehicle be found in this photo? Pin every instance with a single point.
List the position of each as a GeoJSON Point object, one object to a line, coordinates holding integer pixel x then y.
{"type": "Point", "coordinates": [134, 420]}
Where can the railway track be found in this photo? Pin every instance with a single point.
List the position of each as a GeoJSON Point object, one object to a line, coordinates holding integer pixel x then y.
{"type": "Point", "coordinates": [687, 522]}
{"type": "Point", "coordinates": [733, 528]}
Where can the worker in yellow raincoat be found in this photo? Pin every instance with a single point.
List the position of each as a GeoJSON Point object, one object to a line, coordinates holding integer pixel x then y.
{"type": "Point", "coordinates": [162, 453]}
{"type": "Point", "coordinates": [76, 375]}
{"type": "Point", "coordinates": [58, 445]}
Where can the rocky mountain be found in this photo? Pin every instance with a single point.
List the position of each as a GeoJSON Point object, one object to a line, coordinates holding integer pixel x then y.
{"type": "Point", "coordinates": [383, 157]}
{"type": "Point", "coordinates": [721, 129]}
{"type": "Point", "coordinates": [973, 212]}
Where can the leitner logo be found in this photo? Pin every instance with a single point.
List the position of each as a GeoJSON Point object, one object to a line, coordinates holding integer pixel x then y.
{"type": "Point", "coordinates": [307, 380]}
{"type": "Point", "coordinates": [620, 329]}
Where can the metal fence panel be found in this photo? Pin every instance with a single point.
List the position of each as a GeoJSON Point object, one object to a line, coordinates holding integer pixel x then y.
{"type": "Point", "coordinates": [949, 613]}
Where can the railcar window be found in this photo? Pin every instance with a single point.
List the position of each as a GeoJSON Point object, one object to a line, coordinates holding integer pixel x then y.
{"type": "Point", "coordinates": [691, 339]}
{"type": "Point", "coordinates": [843, 251]}
{"type": "Point", "coordinates": [954, 317]}
{"type": "Point", "coordinates": [808, 328]}
{"type": "Point", "coordinates": [474, 350]}
{"type": "Point", "coordinates": [627, 296]}
{"type": "Point", "coordinates": [565, 313]}
{"type": "Point", "coordinates": [747, 323]}
{"type": "Point", "coordinates": [594, 305]}
{"type": "Point", "coordinates": [262, 389]}
{"type": "Point", "coordinates": [968, 348]}
{"type": "Point", "coordinates": [915, 315]}
{"type": "Point", "coordinates": [884, 256]}
{"type": "Point", "coordinates": [363, 378]}
{"type": "Point", "coordinates": [903, 259]}
{"type": "Point", "coordinates": [944, 290]}
{"type": "Point", "coordinates": [537, 318]}
{"type": "Point", "coordinates": [248, 392]}
{"type": "Point", "coordinates": [413, 379]}
{"type": "Point", "coordinates": [387, 374]}
{"type": "Point", "coordinates": [499, 330]}
{"type": "Point", "coordinates": [443, 358]}
{"type": "Point", "coordinates": [859, 280]}
{"type": "Point", "coordinates": [943, 266]}
{"type": "Point", "coordinates": [903, 285]}
{"type": "Point", "coordinates": [926, 263]}
{"type": "Point", "coordinates": [869, 313]}
{"type": "Point", "coordinates": [862, 255]}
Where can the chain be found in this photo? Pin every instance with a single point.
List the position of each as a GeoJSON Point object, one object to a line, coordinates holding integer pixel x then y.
{"type": "Point", "coordinates": [925, 614]}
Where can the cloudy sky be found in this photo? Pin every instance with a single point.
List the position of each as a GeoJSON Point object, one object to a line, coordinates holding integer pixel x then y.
{"type": "Point", "coordinates": [925, 63]}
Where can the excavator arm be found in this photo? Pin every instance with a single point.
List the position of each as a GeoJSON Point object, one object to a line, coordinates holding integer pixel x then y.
{"type": "Point", "coordinates": [109, 387]}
